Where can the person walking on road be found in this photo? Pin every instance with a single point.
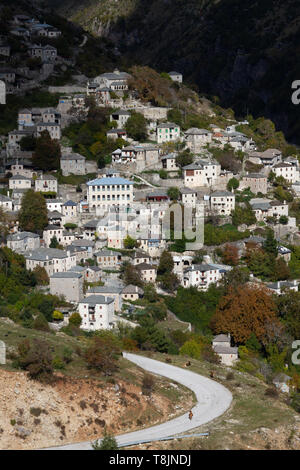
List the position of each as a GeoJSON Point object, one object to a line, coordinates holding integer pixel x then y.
{"type": "Point", "coordinates": [190, 415]}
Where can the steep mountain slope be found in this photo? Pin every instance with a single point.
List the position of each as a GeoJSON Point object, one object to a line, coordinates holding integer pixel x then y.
{"type": "Point", "coordinates": [243, 51]}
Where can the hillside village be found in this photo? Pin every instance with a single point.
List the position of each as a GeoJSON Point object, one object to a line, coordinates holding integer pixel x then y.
{"type": "Point", "coordinates": [123, 205]}
{"type": "Point", "coordinates": [88, 186]}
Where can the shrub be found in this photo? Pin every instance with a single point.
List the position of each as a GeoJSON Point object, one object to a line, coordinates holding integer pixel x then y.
{"type": "Point", "coordinates": [103, 354]}
{"type": "Point", "coordinates": [295, 403]}
{"type": "Point", "coordinates": [40, 323]}
{"type": "Point", "coordinates": [75, 319]}
{"type": "Point", "coordinates": [35, 412]}
{"type": "Point", "coordinates": [107, 443]}
{"type": "Point", "coordinates": [57, 363]}
{"type": "Point", "coordinates": [57, 315]}
{"type": "Point", "coordinates": [37, 360]}
{"type": "Point", "coordinates": [271, 392]}
{"type": "Point", "coordinates": [230, 376]}
{"type": "Point", "coordinates": [147, 384]}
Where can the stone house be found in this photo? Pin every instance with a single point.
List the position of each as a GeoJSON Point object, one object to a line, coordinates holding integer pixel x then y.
{"type": "Point", "coordinates": [108, 259]}
{"type": "Point", "coordinates": [147, 272]}
{"type": "Point", "coordinates": [257, 183]}
{"type": "Point", "coordinates": [287, 170]}
{"type": "Point", "coordinates": [116, 81]}
{"type": "Point", "coordinates": [176, 76]}
{"type": "Point", "coordinates": [169, 162]}
{"type": "Point", "coordinates": [6, 203]}
{"type": "Point", "coordinates": [201, 173]}
{"type": "Point", "coordinates": [222, 202]}
{"type": "Point", "coordinates": [14, 137]}
{"type": "Point", "coordinates": [188, 196]}
{"type": "Point", "coordinates": [140, 258]}
{"type": "Point", "coordinates": [110, 291]}
{"type": "Point", "coordinates": [50, 232]}
{"type": "Point", "coordinates": [73, 163]}
{"type": "Point", "coordinates": [20, 169]}
{"type": "Point", "coordinates": [167, 132]}
{"type": "Point", "coordinates": [280, 286]}
{"type": "Point", "coordinates": [87, 245]}
{"type": "Point", "coordinates": [46, 183]}
{"type": "Point", "coordinates": [203, 275]}
{"type": "Point", "coordinates": [264, 208]}
{"type": "Point", "coordinates": [97, 312]}
{"type": "Point", "coordinates": [196, 139]}
{"type": "Point", "coordinates": [115, 134]}
{"type": "Point", "coordinates": [19, 182]}
{"type": "Point", "coordinates": [132, 293]}
{"type": "Point", "coordinates": [69, 210]}
{"type": "Point", "coordinates": [121, 117]}
{"type": "Point", "coordinates": [21, 242]}
{"type": "Point", "coordinates": [268, 158]}
{"type": "Point", "coordinates": [222, 346]}
{"type": "Point", "coordinates": [51, 259]}
{"type": "Point", "coordinates": [67, 284]}
{"type": "Point", "coordinates": [45, 53]}
{"type": "Point", "coordinates": [93, 274]}
{"type": "Point", "coordinates": [54, 205]}
{"type": "Point", "coordinates": [51, 127]}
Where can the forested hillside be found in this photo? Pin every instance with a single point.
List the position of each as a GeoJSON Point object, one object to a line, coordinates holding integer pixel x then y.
{"type": "Point", "coordinates": [245, 52]}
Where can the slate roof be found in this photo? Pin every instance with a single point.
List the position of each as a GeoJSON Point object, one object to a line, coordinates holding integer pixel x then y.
{"type": "Point", "coordinates": [96, 299]}
{"type": "Point", "coordinates": [66, 275]}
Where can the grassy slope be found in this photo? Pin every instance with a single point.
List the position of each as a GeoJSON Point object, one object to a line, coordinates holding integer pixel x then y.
{"type": "Point", "coordinates": [250, 410]}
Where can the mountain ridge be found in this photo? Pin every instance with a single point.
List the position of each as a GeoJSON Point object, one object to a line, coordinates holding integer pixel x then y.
{"type": "Point", "coordinates": [242, 52]}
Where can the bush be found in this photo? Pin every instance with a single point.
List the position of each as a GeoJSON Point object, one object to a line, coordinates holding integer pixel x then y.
{"type": "Point", "coordinates": [271, 392]}
{"type": "Point", "coordinates": [57, 315]}
{"type": "Point", "coordinates": [295, 403]}
{"type": "Point", "coordinates": [75, 319]}
{"type": "Point", "coordinates": [107, 443]}
{"type": "Point", "coordinates": [103, 353]}
{"type": "Point", "coordinates": [40, 323]}
{"type": "Point", "coordinates": [36, 358]}
{"type": "Point", "coordinates": [148, 384]}
{"type": "Point", "coordinates": [57, 363]}
{"type": "Point", "coordinates": [230, 376]}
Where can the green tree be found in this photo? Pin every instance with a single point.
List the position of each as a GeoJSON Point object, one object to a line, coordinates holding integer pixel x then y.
{"type": "Point", "coordinates": [184, 158]}
{"type": "Point", "coordinates": [129, 243]}
{"type": "Point", "coordinates": [173, 193]}
{"type": "Point", "coordinates": [191, 348]}
{"type": "Point", "coordinates": [33, 215]}
{"type": "Point", "coordinates": [47, 153]}
{"type": "Point", "coordinates": [28, 143]}
{"type": "Point", "coordinates": [243, 215]}
{"type": "Point", "coordinates": [108, 442]}
{"type": "Point", "coordinates": [136, 126]}
{"type": "Point", "coordinates": [75, 319]}
{"type": "Point", "coordinates": [233, 183]}
{"type": "Point", "coordinates": [54, 242]}
{"type": "Point", "coordinates": [283, 219]}
{"type": "Point", "coordinates": [270, 244]}
{"type": "Point", "coordinates": [166, 263]}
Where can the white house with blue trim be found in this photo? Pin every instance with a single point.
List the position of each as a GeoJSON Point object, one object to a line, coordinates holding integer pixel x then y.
{"type": "Point", "coordinates": [104, 193]}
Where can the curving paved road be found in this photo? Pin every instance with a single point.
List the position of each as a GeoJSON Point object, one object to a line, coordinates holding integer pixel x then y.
{"type": "Point", "coordinates": [212, 401]}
